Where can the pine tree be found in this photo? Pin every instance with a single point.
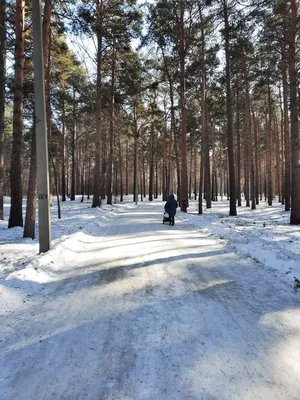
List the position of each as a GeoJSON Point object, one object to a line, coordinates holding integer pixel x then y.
{"type": "Point", "coordinates": [2, 97]}
{"type": "Point", "coordinates": [295, 134]}
{"type": "Point", "coordinates": [16, 216]}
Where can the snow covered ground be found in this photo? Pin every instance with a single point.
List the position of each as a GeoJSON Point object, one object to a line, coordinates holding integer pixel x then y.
{"type": "Point", "coordinates": [263, 234]}
{"type": "Point", "coordinates": [124, 307]}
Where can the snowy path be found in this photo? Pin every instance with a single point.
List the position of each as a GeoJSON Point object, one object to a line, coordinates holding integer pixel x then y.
{"type": "Point", "coordinates": [148, 311]}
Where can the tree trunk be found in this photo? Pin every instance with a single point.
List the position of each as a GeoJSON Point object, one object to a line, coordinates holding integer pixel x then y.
{"type": "Point", "coordinates": [156, 177]}
{"type": "Point", "coordinates": [250, 136]}
{"type": "Point", "coordinates": [205, 153]}
{"type": "Point", "coordinates": [195, 173]}
{"type": "Point", "coordinates": [89, 180]}
{"type": "Point", "coordinates": [269, 150]}
{"type": "Point", "coordinates": [257, 180]}
{"type": "Point", "coordinates": [111, 127]}
{"type": "Point", "coordinates": [182, 49]}
{"type": "Point", "coordinates": [144, 173]}
{"type": "Point", "coordinates": [232, 210]}
{"type": "Point", "coordinates": [173, 132]}
{"type": "Point", "coordinates": [126, 169]}
{"type": "Point", "coordinates": [63, 161]}
{"type": "Point", "coordinates": [281, 146]}
{"type": "Point", "coordinates": [165, 177]}
{"type": "Point", "coordinates": [73, 148]}
{"type": "Point", "coordinates": [2, 97]}
{"type": "Point", "coordinates": [295, 134]}
{"type": "Point", "coordinates": [239, 198]}
{"type": "Point", "coordinates": [136, 147]}
{"type": "Point", "coordinates": [29, 228]}
{"type": "Point", "coordinates": [246, 180]}
{"type": "Point", "coordinates": [214, 193]}
{"type": "Point", "coordinates": [83, 171]}
{"type": "Point", "coordinates": [151, 165]}
{"type": "Point", "coordinates": [200, 206]}
{"type": "Point", "coordinates": [278, 161]}
{"type": "Point", "coordinates": [47, 65]}
{"type": "Point", "coordinates": [16, 217]}
{"type": "Point", "coordinates": [56, 186]}
{"type": "Point", "coordinates": [97, 182]}
{"type": "Point", "coordinates": [121, 167]}
{"type": "Point", "coordinates": [190, 170]}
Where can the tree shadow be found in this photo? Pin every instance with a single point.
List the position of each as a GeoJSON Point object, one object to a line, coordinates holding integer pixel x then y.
{"type": "Point", "coordinates": [151, 344]}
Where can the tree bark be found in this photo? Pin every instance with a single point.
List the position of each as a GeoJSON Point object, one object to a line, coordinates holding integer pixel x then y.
{"type": "Point", "coordinates": [232, 190]}
{"type": "Point", "coordinates": [190, 172]}
{"type": "Point", "coordinates": [126, 169]}
{"type": "Point", "coordinates": [269, 150]}
{"type": "Point", "coordinates": [63, 166]}
{"type": "Point", "coordinates": [97, 181]}
{"type": "Point", "coordinates": [174, 135]}
{"type": "Point", "coordinates": [200, 206]}
{"type": "Point", "coordinates": [73, 148]}
{"type": "Point", "coordinates": [47, 65]}
{"type": "Point", "coordinates": [295, 134]}
{"type": "Point", "coordinates": [184, 203]}
{"type": "Point", "coordinates": [29, 227]}
{"type": "Point", "coordinates": [56, 185]}
{"type": "Point", "coordinates": [121, 167]}
{"type": "Point", "coordinates": [2, 97]}
{"type": "Point", "coordinates": [16, 217]}
{"type": "Point", "coordinates": [250, 135]}
{"type": "Point", "coordinates": [238, 133]}
{"type": "Point", "coordinates": [256, 145]}
{"type": "Point", "coordinates": [136, 147]}
{"type": "Point", "coordinates": [111, 127]}
{"type": "Point", "coordinates": [151, 164]}
{"type": "Point", "coordinates": [195, 172]}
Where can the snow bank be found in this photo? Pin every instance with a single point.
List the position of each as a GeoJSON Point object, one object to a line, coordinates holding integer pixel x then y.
{"type": "Point", "coordinates": [263, 234]}
{"type": "Point", "coordinates": [20, 260]}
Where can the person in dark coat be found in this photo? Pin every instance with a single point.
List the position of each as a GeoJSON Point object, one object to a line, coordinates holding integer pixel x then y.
{"type": "Point", "coordinates": [170, 208]}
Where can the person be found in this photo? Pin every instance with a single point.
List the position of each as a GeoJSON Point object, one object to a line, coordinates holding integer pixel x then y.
{"type": "Point", "coordinates": [170, 208]}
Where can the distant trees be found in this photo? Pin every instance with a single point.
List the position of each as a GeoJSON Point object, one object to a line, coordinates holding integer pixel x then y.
{"type": "Point", "coordinates": [199, 111]}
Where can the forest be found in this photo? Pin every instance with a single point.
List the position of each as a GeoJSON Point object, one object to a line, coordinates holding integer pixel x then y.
{"type": "Point", "coordinates": [192, 97]}
{"type": "Point", "coordinates": [149, 199]}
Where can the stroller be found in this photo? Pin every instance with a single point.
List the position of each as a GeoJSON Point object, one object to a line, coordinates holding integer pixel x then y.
{"type": "Point", "coordinates": [166, 217]}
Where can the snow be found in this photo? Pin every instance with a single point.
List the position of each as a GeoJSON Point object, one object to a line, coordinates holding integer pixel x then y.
{"type": "Point", "coordinates": [124, 307]}
{"type": "Point", "coordinates": [263, 234]}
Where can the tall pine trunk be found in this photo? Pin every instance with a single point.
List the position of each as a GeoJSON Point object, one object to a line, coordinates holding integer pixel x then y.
{"type": "Point", "coordinates": [238, 138]}
{"type": "Point", "coordinates": [126, 169]}
{"type": "Point", "coordinates": [97, 180]}
{"type": "Point", "coordinates": [269, 150]}
{"type": "Point", "coordinates": [295, 134]}
{"type": "Point", "coordinates": [256, 151]}
{"type": "Point", "coordinates": [232, 191]}
{"type": "Point", "coordinates": [111, 128]}
{"type": "Point", "coordinates": [47, 66]}
{"type": "Point", "coordinates": [182, 49]}
{"type": "Point", "coordinates": [16, 217]}
{"type": "Point", "coordinates": [136, 149]}
{"type": "Point", "coordinates": [2, 97]}
{"type": "Point", "coordinates": [73, 166]}
{"type": "Point", "coordinates": [63, 165]}
{"type": "Point", "coordinates": [250, 135]}
{"type": "Point", "coordinates": [286, 130]}
{"type": "Point", "coordinates": [29, 227]}
{"type": "Point", "coordinates": [151, 164]}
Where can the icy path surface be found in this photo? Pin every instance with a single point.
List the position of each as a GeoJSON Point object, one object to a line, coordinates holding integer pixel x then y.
{"type": "Point", "coordinates": [136, 310]}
